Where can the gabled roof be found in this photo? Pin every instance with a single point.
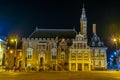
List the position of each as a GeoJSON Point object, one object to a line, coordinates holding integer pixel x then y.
{"type": "Point", "coordinates": [53, 33]}
{"type": "Point", "coordinates": [96, 42]}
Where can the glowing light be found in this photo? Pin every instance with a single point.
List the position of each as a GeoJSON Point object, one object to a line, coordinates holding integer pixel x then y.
{"type": "Point", "coordinates": [1, 53]}
{"type": "Point", "coordinates": [1, 40]}
{"type": "Point", "coordinates": [20, 53]}
{"type": "Point", "coordinates": [11, 51]}
{"type": "Point", "coordinates": [12, 40]}
{"type": "Point", "coordinates": [114, 40]}
{"type": "Point", "coordinates": [28, 65]}
{"type": "Point", "coordinates": [111, 55]}
{"type": "Point", "coordinates": [115, 53]}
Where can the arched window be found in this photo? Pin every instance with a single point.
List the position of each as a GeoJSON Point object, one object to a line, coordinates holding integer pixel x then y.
{"type": "Point", "coordinates": [99, 43]}
{"type": "Point", "coordinates": [93, 43]}
{"type": "Point", "coordinates": [54, 53]}
{"type": "Point", "coordinates": [29, 53]}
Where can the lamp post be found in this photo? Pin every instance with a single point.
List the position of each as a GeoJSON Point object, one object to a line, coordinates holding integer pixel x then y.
{"type": "Point", "coordinates": [116, 46]}
{"type": "Point", "coordinates": [15, 40]}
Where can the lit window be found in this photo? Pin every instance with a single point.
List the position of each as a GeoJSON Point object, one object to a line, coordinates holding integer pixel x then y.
{"type": "Point", "coordinates": [29, 53]}
{"type": "Point", "coordinates": [99, 43]}
{"type": "Point", "coordinates": [79, 56]}
{"type": "Point", "coordinates": [96, 62]}
{"type": "Point", "coordinates": [73, 56]}
{"type": "Point", "coordinates": [1, 53]}
{"type": "Point", "coordinates": [93, 43]}
{"type": "Point", "coordinates": [54, 52]}
{"type": "Point", "coordinates": [62, 55]}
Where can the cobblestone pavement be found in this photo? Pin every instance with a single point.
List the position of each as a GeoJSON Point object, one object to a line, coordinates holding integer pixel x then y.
{"type": "Point", "coordinates": [92, 75]}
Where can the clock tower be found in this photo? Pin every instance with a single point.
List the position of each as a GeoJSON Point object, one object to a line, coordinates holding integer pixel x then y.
{"type": "Point", "coordinates": [83, 23]}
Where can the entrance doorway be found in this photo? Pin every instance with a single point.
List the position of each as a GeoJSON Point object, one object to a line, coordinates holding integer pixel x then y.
{"type": "Point", "coordinates": [86, 66]}
{"type": "Point", "coordinates": [79, 66]}
{"type": "Point", "coordinates": [73, 66]}
{"type": "Point", "coordinates": [20, 63]}
{"type": "Point", "coordinates": [41, 61]}
{"type": "Point", "coordinates": [54, 67]}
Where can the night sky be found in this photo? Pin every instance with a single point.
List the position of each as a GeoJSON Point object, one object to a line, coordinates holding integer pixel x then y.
{"type": "Point", "coordinates": [22, 17]}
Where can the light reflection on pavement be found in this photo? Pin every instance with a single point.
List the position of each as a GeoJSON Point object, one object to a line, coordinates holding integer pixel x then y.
{"type": "Point", "coordinates": [92, 75]}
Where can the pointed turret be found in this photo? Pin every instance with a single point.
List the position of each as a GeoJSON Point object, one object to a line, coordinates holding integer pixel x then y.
{"type": "Point", "coordinates": [83, 23]}
{"type": "Point", "coordinates": [83, 15]}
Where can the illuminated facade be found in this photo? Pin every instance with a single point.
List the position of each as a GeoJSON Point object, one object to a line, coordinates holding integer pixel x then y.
{"type": "Point", "coordinates": [79, 57]}
{"type": "Point", "coordinates": [2, 54]}
{"type": "Point", "coordinates": [50, 53]}
{"type": "Point", "coordinates": [98, 52]}
{"type": "Point", "coordinates": [61, 49]}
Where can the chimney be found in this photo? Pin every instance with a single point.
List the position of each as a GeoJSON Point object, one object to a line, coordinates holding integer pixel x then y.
{"type": "Point", "coordinates": [94, 28]}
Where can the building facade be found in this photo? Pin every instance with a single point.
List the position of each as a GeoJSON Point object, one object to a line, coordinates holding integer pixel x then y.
{"type": "Point", "coordinates": [97, 52]}
{"type": "Point", "coordinates": [2, 54]}
{"type": "Point", "coordinates": [61, 50]}
{"type": "Point", "coordinates": [79, 56]}
{"type": "Point", "coordinates": [45, 51]}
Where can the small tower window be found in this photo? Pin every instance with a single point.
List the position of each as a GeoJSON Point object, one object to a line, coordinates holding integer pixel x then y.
{"type": "Point", "coordinates": [99, 43]}
{"type": "Point", "coordinates": [93, 43]}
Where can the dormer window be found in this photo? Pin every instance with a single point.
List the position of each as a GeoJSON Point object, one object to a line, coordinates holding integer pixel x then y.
{"type": "Point", "coordinates": [99, 43]}
{"type": "Point", "coordinates": [102, 44]}
{"type": "Point", "coordinates": [93, 43]}
{"type": "Point", "coordinates": [78, 38]}
{"type": "Point", "coordinates": [81, 38]}
{"type": "Point", "coordinates": [95, 38]}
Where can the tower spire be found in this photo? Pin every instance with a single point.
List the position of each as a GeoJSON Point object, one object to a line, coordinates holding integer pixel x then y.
{"type": "Point", "coordinates": [83, 15]}
{"type": "Point", "coordinates": [83, 22]}
{"type": "Point", "coordinates": [83, 5]}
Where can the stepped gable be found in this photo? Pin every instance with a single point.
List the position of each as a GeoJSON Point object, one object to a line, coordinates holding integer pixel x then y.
{"type": "Point", "coordinates": [53, 33]}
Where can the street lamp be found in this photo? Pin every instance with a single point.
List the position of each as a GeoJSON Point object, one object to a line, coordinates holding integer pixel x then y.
{"type": "Point", "coordinates": [15, 40]}
{"type": "Point", "coordinates": [116, 46]}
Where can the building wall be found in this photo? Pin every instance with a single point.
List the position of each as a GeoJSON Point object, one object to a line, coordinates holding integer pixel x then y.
{"type": "Point", "coordinates": [79, 57]}
{"type": "Point", "coordinates": [3, 54]}
{"type": "Point", "coordinates": [46, 54]}
{"type": "Point", "coordinates": [98, 58]}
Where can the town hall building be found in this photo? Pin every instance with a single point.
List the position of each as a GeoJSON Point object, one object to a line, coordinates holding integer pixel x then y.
{"type": "Point", "coordinates": [62, 50]}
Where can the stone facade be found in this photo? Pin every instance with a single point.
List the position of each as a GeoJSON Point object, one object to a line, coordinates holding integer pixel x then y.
{"type": "Point", "coordinates": [62, 50]}
{"type": "Point", "coordinates": [46, 54]}
{"type": "Point", "coordinates": [97, 52]}
{"type": "Point", "coordinates": [2, 54]}
{"type": "Point", "coordinates": [79, 57]}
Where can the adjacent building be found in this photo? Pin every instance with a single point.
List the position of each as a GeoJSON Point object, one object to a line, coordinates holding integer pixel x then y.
{"type": "Point", "coordinates": [2, 54]}
{"type": "Point", "coordinates": [97, 52]}
{"type": "Point", "coordinates": [47, 49]}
